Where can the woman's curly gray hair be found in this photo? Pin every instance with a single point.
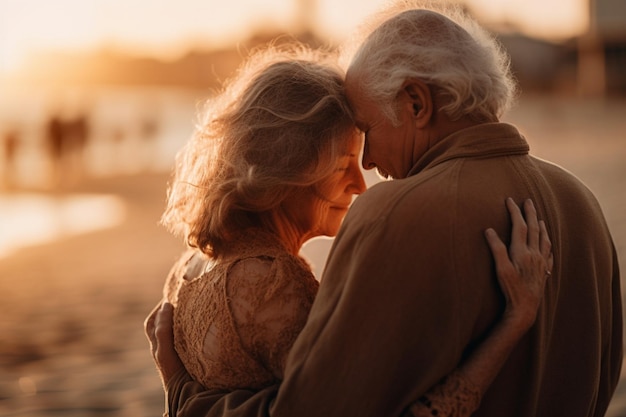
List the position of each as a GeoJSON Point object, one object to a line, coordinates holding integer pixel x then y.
{"type": "Point", "coordinates": [280, 124]}
{"type": "Point", "coordinates": [467, 68]}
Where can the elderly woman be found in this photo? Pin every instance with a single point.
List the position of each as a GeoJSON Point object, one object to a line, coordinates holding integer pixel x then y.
{"type": "Point", "coordinates": [275, 163]}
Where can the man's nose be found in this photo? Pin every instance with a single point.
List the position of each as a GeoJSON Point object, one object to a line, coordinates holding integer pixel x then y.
{"type": "Point", "coordinates": [367, 162]}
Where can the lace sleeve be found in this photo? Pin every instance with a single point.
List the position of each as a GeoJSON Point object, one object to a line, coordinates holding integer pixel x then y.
{"type": "Point", "coordinates": [455, 396]}
{"type": "Point", "coordinates": [270, 300]}
{"type": "Point", "coordinates": [188, 266]}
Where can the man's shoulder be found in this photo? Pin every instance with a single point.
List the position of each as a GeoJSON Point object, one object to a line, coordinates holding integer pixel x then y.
{"type": "Point", "coordinates": [399, 206]}
{"type": "Point", "coordinates": [398, 194]}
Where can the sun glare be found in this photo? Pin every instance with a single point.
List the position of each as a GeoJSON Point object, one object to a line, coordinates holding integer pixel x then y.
{"type": "Point", "coordinates": [163, 27]}
{"type": "Point", "coordinates": [10, 59]}
{"type": "Point", "coordinates": [32, 219]}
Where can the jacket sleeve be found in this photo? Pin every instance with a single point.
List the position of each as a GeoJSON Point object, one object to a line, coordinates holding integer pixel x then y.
{"type": "Point", "coordinates": [187, 398]}
{"type": "Point", "coordinates": [454, 397]}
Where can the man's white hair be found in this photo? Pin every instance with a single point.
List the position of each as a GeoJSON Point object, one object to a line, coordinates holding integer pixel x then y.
{"type": "Point", "coordinates": [440, 45]}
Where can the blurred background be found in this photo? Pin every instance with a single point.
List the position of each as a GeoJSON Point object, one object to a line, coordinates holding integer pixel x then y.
{"type": "Point", "coordinates": [96, 97]}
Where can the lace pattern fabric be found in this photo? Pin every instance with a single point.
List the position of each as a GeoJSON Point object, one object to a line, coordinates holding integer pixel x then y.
{"type": "Point", "coordinates": [237, 318]}
{"type": "Point", "coordinates": [455, 396]}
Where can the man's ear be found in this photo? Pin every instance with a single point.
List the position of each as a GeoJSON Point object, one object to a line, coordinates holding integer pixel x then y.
{"type": "Point", "coordinates": [420, 101]}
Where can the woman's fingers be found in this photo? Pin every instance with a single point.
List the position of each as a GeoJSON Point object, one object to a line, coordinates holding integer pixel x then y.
{"type": "Point", "coordinates": [519, 232]}
{"type": "Point", "coordinates": [545, 246]}
{"type": "Point", "coordinates": [504, 267]}
{"type": "Point", "coordinates": [530, 214]}
{"type": "Point", "coordinates": [524, 266]}
{"type": "Point", "coordinates": [498, 248]}
{"type": "Point", "coordinates": [164, 323]}
{"type": "Point", "coordinates": [159, 327]}
{"type": "Point", "coordinates": [165, 355]}
{"type": "Point", "coordinates": [149, 328]}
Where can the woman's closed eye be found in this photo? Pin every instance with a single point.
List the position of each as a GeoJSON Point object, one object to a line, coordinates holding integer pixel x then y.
{"type": "Point", "coordinates": [347, 163]}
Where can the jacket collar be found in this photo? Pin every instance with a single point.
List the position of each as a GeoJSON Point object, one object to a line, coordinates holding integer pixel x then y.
{"type": "Point", "coordinates": [484, 140]}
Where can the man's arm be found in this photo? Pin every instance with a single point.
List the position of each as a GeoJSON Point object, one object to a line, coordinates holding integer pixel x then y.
{"type": "Point", "coordinates": [380, 334]}
{"type": "Point", "coordinates": [185, 397]}
{"type": "Point", "coordinates": [318, 380]}
{"type": "Point", "coordinates": [359, 353]}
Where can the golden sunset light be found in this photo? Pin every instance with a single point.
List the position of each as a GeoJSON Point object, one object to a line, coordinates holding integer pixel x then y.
{"type": "Point", "coordinates": [166, 29]}
{"type": "Point", "coordinates": [556, 19]}
{"type": "Point", "coordinates": [99, 97]}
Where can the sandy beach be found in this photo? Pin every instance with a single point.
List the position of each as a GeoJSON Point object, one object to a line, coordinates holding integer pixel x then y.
{"type": "Point", "coordinates": [72, 310]}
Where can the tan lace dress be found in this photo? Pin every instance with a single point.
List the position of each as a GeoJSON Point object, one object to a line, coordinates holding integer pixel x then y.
{"type": "Point", "coordinates": [236, 319]}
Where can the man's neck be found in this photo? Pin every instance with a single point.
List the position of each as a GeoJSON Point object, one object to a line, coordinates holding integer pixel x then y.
{"type": "Point", "coordinates": [443, 126]}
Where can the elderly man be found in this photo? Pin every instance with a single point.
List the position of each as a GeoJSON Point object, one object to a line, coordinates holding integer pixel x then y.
{"type": "Point", "coordinates": [409, 288]}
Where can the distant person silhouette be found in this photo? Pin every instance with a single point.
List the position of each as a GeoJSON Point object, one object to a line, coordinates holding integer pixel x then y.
{"type": "Point", "coordinates": [10, 145]}
{"type": "Point", "coordinates": [66, 141]}
{"type": "Point", "coordinates": [55, 147]}
{"type": "Point", "coordinates": [76, 138]}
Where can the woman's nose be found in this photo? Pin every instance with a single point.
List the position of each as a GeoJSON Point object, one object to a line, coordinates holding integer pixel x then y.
{"type": "Point", "coordinates": [357, 185]}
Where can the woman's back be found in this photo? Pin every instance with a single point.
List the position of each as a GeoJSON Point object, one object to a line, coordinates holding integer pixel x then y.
{"type": "Point", "coordinates": [237, 318]}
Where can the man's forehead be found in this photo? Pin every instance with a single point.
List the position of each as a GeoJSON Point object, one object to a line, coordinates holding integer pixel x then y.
{"type": "Point", "coordinates": [357, 115]}
{"type": "Point", "coordinates": [354, 89]}
{"type": "Point", "coordinates": [357, 100]}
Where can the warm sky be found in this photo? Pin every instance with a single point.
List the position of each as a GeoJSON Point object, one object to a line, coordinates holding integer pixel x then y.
{"type": "Point", "coordinates": [162, 27]}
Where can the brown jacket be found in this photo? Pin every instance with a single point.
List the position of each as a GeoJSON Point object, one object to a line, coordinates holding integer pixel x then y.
{"type": "Point", "coordinates": [410, 289]}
